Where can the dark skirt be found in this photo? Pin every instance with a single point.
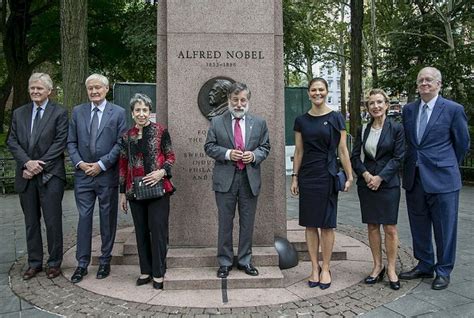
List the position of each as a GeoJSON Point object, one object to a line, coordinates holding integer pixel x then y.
{"type": "Point", "coordinates": [379, 207]}
{"type": "Point", "coordinates": [318, 202]}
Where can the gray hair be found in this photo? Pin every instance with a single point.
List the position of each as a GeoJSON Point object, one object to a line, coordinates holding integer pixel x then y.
{"type": "Point", "coordinates": [236, 88]}
{"type": "Point", "coordinates": [434, 70]}
{"type": "Point", "coordinates": [98, 77]}
{"type": "Point", "coordinates": [43, 78]}
{"type": "Point", "coordinates": [139, 97]}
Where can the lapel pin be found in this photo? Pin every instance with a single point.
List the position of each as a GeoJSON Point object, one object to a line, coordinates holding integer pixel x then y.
{"type": "Point", "coordinates": [325, 122]}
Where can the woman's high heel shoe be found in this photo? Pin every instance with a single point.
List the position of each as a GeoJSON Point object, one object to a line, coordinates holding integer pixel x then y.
{"type": "Point", "coordinates": [372, 280]}
{"type": "Point", "coordinates": [395, 285]}
{"type": "Point", "coordinates": [312, 284]}
{"type": "Point", "coordinates": [325, 285]}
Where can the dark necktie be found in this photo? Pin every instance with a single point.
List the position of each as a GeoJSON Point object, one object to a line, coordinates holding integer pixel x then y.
{"type": "Point", "coordinates": [239, 142]}
{"type": "Point", "coordinates": [94, 130]}
{"type": "Point", "coordinates": [423, 122]}
{"type": "Point", "coordinates": [34, 128]}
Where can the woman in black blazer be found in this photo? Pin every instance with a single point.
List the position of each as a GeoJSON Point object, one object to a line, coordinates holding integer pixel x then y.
{"type": "Point", "coordinates": [376, 158]}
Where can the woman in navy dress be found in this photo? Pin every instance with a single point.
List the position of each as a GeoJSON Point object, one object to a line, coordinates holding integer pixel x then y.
{"type": "Point", "coordinates": [378, 184]}
{"type": "Point", "coordinates": [319, 133]}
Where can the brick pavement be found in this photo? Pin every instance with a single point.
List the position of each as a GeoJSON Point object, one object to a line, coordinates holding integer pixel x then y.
{"type": "Point", "coordinates": [414, 299]}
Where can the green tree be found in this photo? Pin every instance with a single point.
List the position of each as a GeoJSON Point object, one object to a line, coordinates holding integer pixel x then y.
{"type": "Point", "coordinates": [30, 36]}
{"type": "Point", "coordinates": [310, 35]}
{"type": "Point", "coordinates": [122, 40]}
{"type": "Point", "coordinates": [421, 33]}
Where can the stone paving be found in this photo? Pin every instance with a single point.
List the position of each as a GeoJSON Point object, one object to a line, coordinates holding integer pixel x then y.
{"type": "Point", "coordinates": [414, 299]}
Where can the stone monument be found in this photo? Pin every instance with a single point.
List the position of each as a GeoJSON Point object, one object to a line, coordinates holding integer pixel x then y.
{"type": "Point", "coordinates": [200, 43]}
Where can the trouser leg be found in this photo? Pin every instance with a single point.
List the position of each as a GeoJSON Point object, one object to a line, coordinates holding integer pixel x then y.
{"type": "Point", "coordinates": [51, 196]}
{"type": "Point", "coordinates": [30, 204]}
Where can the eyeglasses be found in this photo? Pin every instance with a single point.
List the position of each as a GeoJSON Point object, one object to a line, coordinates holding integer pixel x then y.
{"type": "Point", "coordinates": [428, 80]}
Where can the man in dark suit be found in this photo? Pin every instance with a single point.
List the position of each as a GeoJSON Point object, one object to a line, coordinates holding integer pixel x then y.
{"type": "Point", "coordinates": [437, 139]}
{"type": "Point", "coordinates": [93, 145]}
{"type": "Point", "coordinates": [37, 141]}
{"type": "Point", "coordinates": [238, 142]}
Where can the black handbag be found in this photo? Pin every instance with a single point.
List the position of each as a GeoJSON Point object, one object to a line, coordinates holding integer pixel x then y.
{"type": "Point", "coordinates": [340, 181]}
{"type": "Point", "coordinates": [141, 191]}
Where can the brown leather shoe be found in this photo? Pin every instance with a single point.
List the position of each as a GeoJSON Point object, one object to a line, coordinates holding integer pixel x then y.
{"type": "Point", "coordinates": [53, 272]}
{"type": "Point", "coordinates": [31, 272]}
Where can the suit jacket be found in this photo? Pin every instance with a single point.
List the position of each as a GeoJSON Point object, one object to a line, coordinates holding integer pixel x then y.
{"type": "Point", "coordinates": [112, 126]}
{"type": "Point", "coordinates": [220, 139]}
{"type": "Point", "coordinates": [49, 142]}
{"type": "Point", "coordinates": [387, 161]}
{"type": "Point", "coordinates": [442, 147]}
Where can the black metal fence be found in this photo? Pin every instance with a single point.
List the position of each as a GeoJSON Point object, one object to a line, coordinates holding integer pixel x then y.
{"type": "Point", "coordinates": [7, 174]}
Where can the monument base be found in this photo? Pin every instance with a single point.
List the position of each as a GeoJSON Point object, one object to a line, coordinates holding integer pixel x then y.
{"type": "Point", "coordinates": [195, 268]}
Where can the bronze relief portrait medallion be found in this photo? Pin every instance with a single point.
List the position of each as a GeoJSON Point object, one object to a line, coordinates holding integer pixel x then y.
{"type": "Point", "coordinates": [212, 97]}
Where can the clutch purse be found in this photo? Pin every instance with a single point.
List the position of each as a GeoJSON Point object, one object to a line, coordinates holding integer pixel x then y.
{"type": "Point", "coordinates": [143, 192]}
{"type": "Point", "coordinates": [340, 181]}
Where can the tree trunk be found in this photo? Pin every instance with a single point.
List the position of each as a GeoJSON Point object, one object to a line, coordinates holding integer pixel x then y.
{"type": "Point", "coordinates": [74, 50]}
{"type": "Point", "coordinates": [342, 60]}
{"type": "Point", "coordinates": [16, 51]}
{"type": "Point", "coordinates": [357, 16]}
{"type": "Point", "coordinates": [309, 67]}
{"type": "Point", "coordinates": [373, 26]}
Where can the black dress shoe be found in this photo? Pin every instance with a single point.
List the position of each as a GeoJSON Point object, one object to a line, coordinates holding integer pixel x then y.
{"type": "Point", "coordinates": [414, 274]}
{"type": "Point", "coordinates": [372, 280]}
{"type": "Point", "coordinates": [78, 275]}
{"type": "Point", "coordinates": [440, 282]}
{"type": "Point", "coordinates": [143, 281]}
{"type": "Point", "coordinates": [395, 285]}
{"type": "Point", "coordinates": [157, 285]}
{"type": "Point", "coordinates": [104, 271]}
{"type": "Point", "coordinates": [223, 271]}
{"type": "Point", "coordinates": [31, 272]}
{"type": "Point", "coordinates": [249, 269]}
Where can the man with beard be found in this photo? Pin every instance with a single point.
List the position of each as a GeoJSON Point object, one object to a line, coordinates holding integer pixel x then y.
{"type": "Point", "coordinates": [238, 142]}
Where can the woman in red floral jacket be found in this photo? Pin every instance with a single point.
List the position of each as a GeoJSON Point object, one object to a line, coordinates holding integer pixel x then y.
{"type": "Point", "coordinates": [146, 152]}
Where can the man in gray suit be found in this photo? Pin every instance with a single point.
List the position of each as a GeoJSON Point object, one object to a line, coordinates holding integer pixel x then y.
{"type": "Point", "coordinates": [93, 145]}
{"type": "Point", "coordinates": [238, 142]}
{"type": "Point", "coordinates": [37, 141]}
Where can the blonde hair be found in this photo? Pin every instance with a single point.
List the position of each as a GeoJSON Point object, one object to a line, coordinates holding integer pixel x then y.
{"type": "Point", "coordinates": [379, 91]}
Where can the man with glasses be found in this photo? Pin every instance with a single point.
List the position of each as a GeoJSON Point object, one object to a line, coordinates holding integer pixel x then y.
{"type": "Point", "coordinates": [238, 142]}
{"type": "Point", "coordinates": [437, 138]}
